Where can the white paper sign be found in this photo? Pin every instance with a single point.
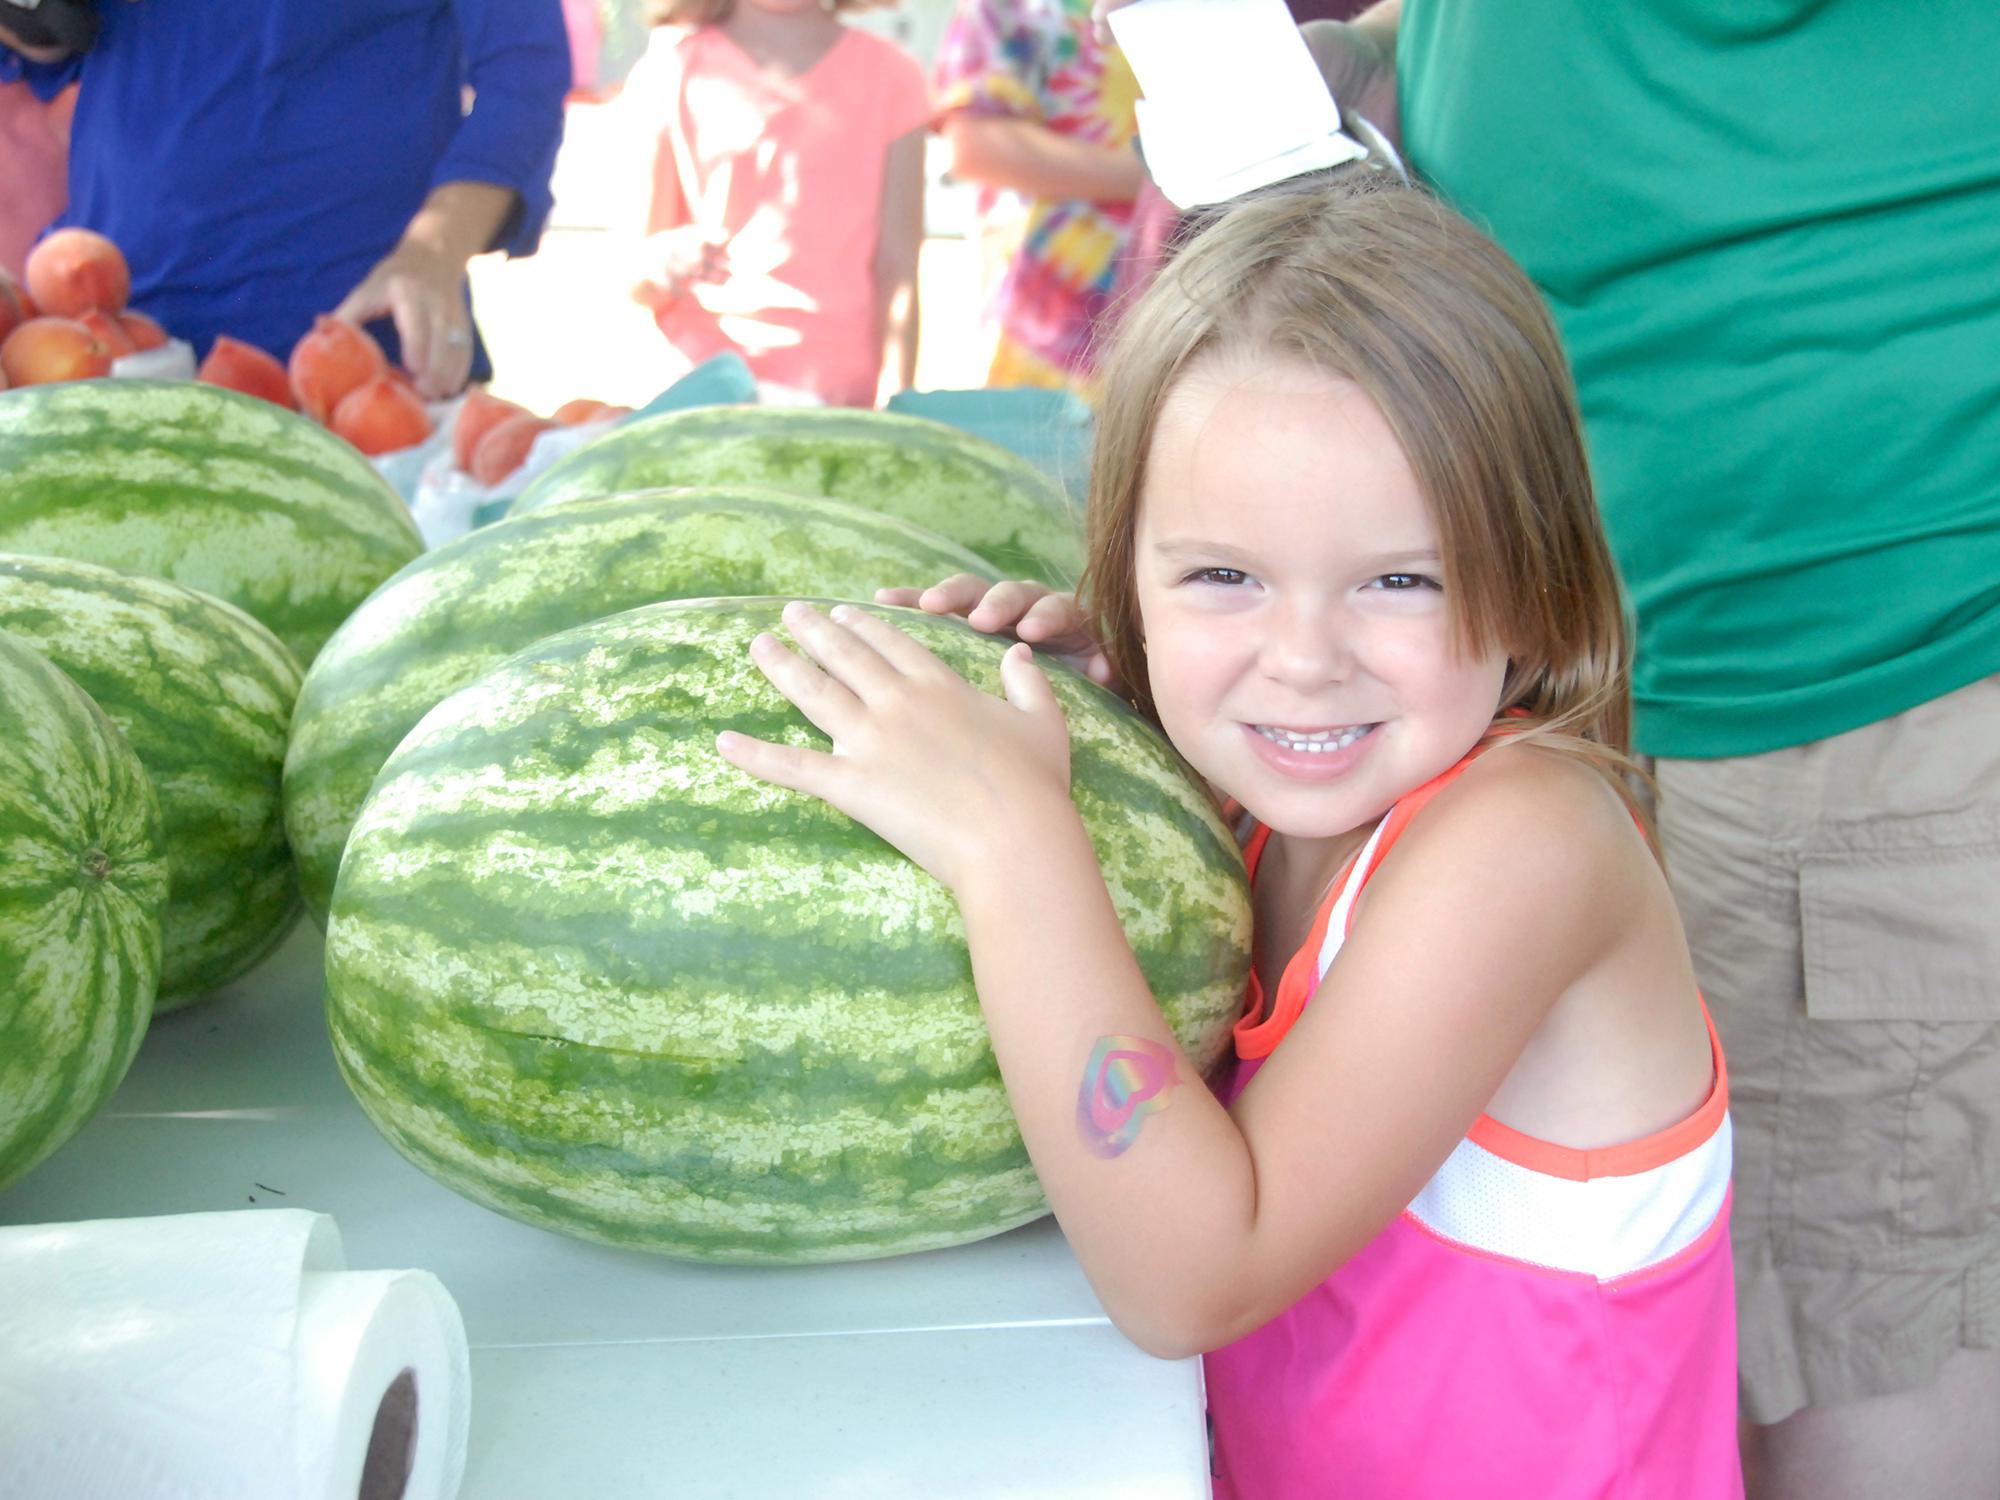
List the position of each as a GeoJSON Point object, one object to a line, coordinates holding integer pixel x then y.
{"type": "Point", "coordinates": [1233, 99]}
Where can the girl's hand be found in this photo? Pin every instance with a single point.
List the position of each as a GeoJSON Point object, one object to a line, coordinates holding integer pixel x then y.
{"type": "Point", "coordinates": [957, 779]}
{"type": "Point", "coordinates": [1028, 611]}
{"type": "Point", "coordinates": [671, 261]}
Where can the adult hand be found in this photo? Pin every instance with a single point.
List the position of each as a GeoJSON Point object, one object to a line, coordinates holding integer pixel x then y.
{"type": "Point", "coordinates": [928, 761]}
{"type": "Point", "coordinates": [1358, 60]}
{"type": "Point", "coordinates": [1043, 617]}
{"type": "Point", "coordinates": [423, 290]}
{"type": "Point", "coordinates": [421, 283]}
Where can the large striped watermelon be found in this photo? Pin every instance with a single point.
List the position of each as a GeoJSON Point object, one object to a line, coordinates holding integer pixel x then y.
{"type": "Point", "coordinates": [222, 492]}
{"type": "Point", "coordinates": [82, 884]}
{"type": "Point", "coordinates": [946, 480]}
{"type": "Point", "coordinates": [587, 973]}
{"type": "Point", "coordinates": [459, 610]}
{"type": "Point", "coordinates": [203, 694]}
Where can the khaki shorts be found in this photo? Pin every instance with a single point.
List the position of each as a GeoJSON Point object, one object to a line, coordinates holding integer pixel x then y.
{"type": "Point", "coordinates": [1842, 899]}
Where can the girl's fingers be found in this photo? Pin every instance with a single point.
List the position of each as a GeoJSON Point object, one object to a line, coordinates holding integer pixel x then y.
{"type": "Point", "coordinates": [1026, 685]}
{"type": "Point", "coordinates": [904, 598]}
{"type": "Point", "coordinates": [845, 656]}
{"type": "Point", "coordinates": [1004, 605]}
{"type": "Point", "coordinates": [1053, 619]}
{"type": "Point", "coordinates": [827, 704]}
{"type": "Point", "coordinates": [905, 654]}
{"type": "Point", "coordinates": [956, 595]}
{"type": "Point", "coordinates": [794, 766]}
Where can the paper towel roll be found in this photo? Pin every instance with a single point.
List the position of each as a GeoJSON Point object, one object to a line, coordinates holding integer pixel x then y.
{"type": "Point", "coordinates": [225, 1356]}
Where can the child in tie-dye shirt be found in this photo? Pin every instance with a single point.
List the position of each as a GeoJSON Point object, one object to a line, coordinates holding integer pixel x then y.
{"type": "Point", "coordinates": [1032, 101]}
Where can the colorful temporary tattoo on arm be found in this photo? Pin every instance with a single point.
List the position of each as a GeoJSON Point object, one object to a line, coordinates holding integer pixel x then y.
{"type": "Point", "coordinates": [1126, 1079]}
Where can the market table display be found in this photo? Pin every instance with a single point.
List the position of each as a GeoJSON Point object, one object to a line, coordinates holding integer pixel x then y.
{"type": "Point", "coordinates": [985, 1370]}
{"type": "Point", "coordinates": [653, 1006]}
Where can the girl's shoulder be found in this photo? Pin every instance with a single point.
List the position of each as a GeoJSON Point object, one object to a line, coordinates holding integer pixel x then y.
{"type": "Point", "coordinates": [1524, 823]}
{"type": "Point", "coordinates": [863, 51]}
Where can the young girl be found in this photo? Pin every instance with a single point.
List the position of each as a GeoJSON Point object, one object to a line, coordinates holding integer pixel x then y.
{"type": "Point", "coordinates": [786, 173]}
{"type": "Point", "coordinates": [1453, 1223]}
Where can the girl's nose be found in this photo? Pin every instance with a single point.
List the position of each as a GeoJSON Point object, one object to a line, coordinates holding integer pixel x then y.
{"type": "Point", "coordinates": [1306, 649]}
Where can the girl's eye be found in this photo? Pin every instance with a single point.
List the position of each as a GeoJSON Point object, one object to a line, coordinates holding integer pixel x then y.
{"type": "Point", "coordinates": [1397, 583]}
{"type": "Point", "coordinates": [1227, 577]}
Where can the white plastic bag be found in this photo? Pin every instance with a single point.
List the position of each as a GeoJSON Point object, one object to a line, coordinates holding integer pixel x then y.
{"type": "Point", "coordinates": [448, 503]}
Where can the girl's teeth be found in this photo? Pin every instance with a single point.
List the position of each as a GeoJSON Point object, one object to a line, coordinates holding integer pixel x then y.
{"type": "Point", "coordinates": [1319, 742]}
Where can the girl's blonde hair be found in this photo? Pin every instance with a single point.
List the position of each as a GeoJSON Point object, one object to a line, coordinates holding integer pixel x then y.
{"type": "Point", "coordinates": [1386, 287]}
{"type": "Point", "coordinates": [714, 12]}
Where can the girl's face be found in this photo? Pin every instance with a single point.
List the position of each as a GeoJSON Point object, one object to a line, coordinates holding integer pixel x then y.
{"type": "Point", "coordinates": [1299, 646]}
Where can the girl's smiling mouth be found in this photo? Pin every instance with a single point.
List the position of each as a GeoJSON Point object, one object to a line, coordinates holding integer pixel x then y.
{"type": "Point", "coordinates": [1310, 754]}
{"type": "Point", "coordinates": [1313, 741]}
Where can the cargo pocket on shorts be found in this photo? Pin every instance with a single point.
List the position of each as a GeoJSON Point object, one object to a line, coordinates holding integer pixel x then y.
{"type": "Point", "coordinates": [1902, 934]}
{"type": "Point", "coordinates": [1899, 1081]}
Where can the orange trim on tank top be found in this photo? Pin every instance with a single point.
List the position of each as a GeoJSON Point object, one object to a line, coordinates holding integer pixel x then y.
{"type": "Point", "coordinates": [1254, 1038]}
{"type": "Point", "coordinates": [1258, 1039]}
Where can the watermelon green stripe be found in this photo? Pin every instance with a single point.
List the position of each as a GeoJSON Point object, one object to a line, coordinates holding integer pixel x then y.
{"type": "Point", "coordinates": [588, 974]}
{"type": "Point", "coordinates": [203, 694]}
{"type": "Point", "coordinates": [215, 490]}
{"type": "Point", "coordinates": [462, 608]}
{"type": "Point", "coordinates": [945, 479]}
{"type": "Point", "coordinates": [83, 881]}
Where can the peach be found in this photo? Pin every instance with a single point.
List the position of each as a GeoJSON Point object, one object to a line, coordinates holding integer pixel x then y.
{"type": "Point", "coordinates": [142, 331]}
{"type": "Point", "coordinates": [332, 360]}
{"type": "Point", "coordinates": [505, 446]}
{"type": "Point", "coordinates": [381, 417]}
{"type": "Point", "coordinates": [237, 366]}
{"type": "Point", "coordinates": [75, 271]}
{"type": "Point", "coordinates": [478, 416]}
{"type": "Point", "coordinates": [43, 350]}
{"type": "Point", "coordinates": [583, 409]}
{"type": "Point", "coordinates": [108, 331]}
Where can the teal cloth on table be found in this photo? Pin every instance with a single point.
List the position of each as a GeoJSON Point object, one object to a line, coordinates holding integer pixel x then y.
{"type": "Point", "coordinates": [721, 380]}
{"type": "Point", "coordinates": [1051, 429]}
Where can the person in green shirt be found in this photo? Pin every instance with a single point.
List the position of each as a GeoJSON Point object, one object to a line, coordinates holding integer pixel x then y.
{"type": "Point", "coordinates": [1770, 235]}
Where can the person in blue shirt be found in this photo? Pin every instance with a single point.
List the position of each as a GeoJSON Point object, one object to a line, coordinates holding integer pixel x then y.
{"type": "Point", "coordinates": [263, 161]}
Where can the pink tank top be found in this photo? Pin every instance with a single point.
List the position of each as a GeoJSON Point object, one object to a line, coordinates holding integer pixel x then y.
{"type": "Point", "coordinates": [1541, 1323]}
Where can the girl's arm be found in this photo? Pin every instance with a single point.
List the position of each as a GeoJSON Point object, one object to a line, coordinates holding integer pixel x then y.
{"type": "Point", "coordinates": [1005, 152]}
{"type": "Point", "coordinates": [656, 229]}
{"type": "Point", "coordinates": [898, 240]}
{"type": "Point", "coordinates": [1205, 1225]}
{"type": "Point", "coordinates": [1196, 1226]}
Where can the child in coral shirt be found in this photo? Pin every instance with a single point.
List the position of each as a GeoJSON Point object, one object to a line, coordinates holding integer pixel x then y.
{"type": "Point", "coordinates": [787, 194]}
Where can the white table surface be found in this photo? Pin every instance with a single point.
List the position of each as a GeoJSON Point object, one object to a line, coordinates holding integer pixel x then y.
{"type": "Point", "coordinates": [986, 1370]}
